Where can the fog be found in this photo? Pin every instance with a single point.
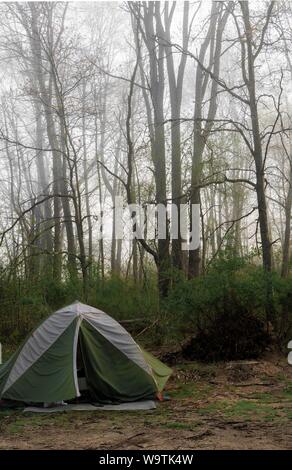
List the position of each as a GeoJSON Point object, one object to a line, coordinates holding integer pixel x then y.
{"type": "Point", "coordinates": [153, 102]}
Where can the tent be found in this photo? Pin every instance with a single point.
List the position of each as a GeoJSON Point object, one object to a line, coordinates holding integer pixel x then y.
{"type": "Point", "coordinates": [81, 340]}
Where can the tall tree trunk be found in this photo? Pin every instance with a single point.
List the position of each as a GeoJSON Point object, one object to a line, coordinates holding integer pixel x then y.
{"type": "Point", "coordinates": [150, 26]}
{"type": "Point", "coordinates": [46, 97]}
{"type": "Point", "coordinates": [259, 160]}
{"type": "Point", "coordinates": [45, 240]}
{"type": "Point", "coordinates": [68, 220]}
{"type": "Point", "coordinates": [213, 43]}
{"type": "Point", "coordinates": [287, 234]}
{"type": "Point", "coordinates": [175, 91]}
{"type": "Point", "coordinates": [85, 170]}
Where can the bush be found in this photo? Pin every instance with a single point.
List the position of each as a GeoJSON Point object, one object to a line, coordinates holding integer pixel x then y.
{"type": "Point", "coordinates": [283, 300]}
{"type": "Point", "coordinates": [230, 297]}
{"type": "Point", "coordinates": [232, 335]}
{"type": "Point", "coordinates": [223, 311]}
{"type": "Point", "coordinates": [197, 302]}
{"type": "Point", "coordinates": [124, 299]}
{"type": "Point", "coordinates": [24, 305]}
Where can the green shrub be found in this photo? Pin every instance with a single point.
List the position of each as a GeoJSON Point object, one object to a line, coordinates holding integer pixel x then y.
{"type": "Point", "coordinates": [233, 290]}
{"type": "Point", "coordinates": [24, 305]}
{"type": "Point", "coordinates": [194, 303]}
{"type": "Point", "coordinates": [231, 286]}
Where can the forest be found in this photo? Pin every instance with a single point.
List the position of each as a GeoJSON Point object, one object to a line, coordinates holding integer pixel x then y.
{"type": "Point", "coordinates": [186, 106]}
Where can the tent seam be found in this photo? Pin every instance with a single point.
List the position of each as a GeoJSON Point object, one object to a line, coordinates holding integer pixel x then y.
{"type": "Point", "coordinates": [75, 342]}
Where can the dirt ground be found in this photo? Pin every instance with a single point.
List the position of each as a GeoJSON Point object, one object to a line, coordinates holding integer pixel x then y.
{"type": "Point", "coordinates": [225, 406]}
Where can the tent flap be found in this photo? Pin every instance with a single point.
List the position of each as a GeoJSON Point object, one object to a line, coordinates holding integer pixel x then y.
{"type": "Point", "coordinates": [160, 371]}
{"type": "Point", "coordinates": [112, 376]}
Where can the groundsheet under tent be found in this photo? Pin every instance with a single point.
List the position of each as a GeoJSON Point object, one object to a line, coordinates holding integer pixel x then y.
{"type": "Point", "coordinates": [131, 406]}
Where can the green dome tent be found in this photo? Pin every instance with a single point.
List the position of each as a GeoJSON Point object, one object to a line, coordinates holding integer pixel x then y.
{"type": "Point", "coordinates": [116, 369]}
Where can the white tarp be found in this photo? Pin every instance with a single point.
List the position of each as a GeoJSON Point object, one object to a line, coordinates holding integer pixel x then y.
{"type": "Point", "coordinates": [132, 406]}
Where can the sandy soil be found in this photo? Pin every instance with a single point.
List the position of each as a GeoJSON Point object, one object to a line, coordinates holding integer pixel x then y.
{"type": "Point", "coordinates": [210, 434]}
{"type": "Point", "coordinates": [208, 409]}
